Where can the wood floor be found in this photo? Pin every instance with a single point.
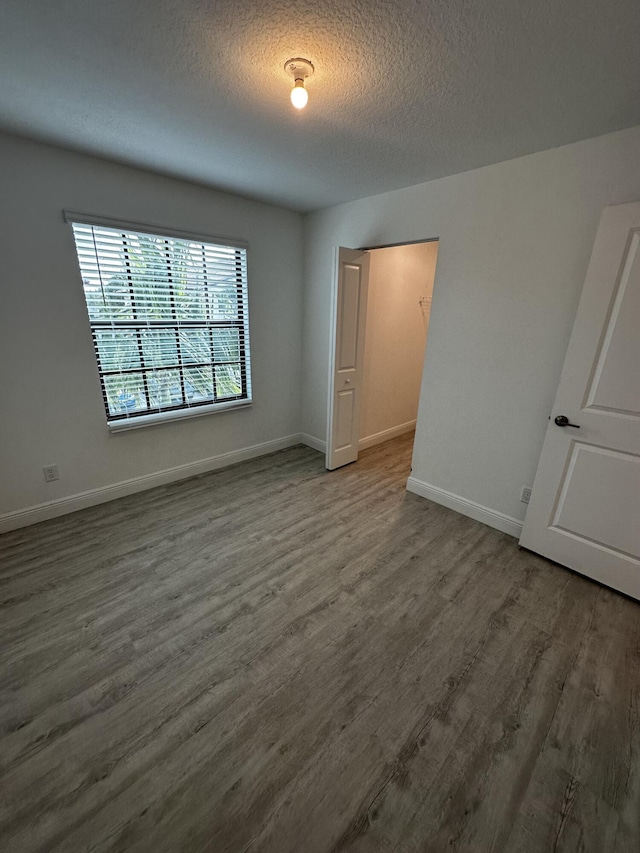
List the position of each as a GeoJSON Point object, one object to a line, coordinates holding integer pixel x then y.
{"type": "Point", "coordinates": [278, 658]}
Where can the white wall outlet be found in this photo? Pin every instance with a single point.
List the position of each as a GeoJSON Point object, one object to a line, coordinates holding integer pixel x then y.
{"type": "Point", "coordinates": [51, 473]}
{"type": "Point", "coordinates": [525, 494]}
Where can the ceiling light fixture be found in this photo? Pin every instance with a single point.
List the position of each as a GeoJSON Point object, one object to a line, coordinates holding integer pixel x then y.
{"type": "Point", "coordinates": [299, 69]}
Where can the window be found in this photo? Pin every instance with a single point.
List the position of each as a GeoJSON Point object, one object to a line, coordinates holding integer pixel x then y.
{"type": "Point", "coordinates": [169, 321]}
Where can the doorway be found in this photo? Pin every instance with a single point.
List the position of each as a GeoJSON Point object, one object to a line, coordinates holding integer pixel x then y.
{"type": "Point", "coordinates": [382, 305]}
{"type": "Point", "coordinates": [398, 311]}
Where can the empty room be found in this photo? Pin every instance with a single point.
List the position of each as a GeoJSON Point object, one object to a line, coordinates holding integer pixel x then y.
{"type": "Point", "coordinates": [320, 426]}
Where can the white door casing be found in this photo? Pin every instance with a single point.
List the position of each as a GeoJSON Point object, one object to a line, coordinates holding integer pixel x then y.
{"type": "Point", "coordinates": [585, 504]}
{"type": "Point", "coordinates": [349, 313]}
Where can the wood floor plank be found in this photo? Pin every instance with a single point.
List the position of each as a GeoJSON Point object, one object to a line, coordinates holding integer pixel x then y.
{"type": "Point", "coordinates": [588, 762]}
{"type": "Point", "coordinates": [274, 657]}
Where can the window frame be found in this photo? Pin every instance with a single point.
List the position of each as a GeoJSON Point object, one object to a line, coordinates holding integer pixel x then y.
{"type": "Point", "coordinates": [127, 421]}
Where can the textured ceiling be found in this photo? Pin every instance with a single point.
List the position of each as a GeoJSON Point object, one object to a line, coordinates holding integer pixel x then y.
{"type": "Point", "coordinates": [403, 91]}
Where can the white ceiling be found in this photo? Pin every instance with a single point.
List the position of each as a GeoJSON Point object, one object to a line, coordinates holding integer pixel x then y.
{"type": "Point", "coordinates": [404, 90]}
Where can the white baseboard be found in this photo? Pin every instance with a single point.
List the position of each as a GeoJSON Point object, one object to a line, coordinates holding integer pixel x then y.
{"type": "Point", "coordinates": [82, 500]}
{"type": "Point", "coordinates": [312, 441]}
{"type": "Point", "coordinates": [363, 443]}
{"type": "Point", "coordinates": [385, 435]}
{"type": "Point", "coordinates": [505, 523]}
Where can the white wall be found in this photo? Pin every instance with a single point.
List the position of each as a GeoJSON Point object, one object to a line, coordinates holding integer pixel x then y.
{"type": "Point", "coordinates": [49, 390]}
{"type": "Point", "coordinates": [515, 240]}
{"type": "Point", "coordinates": [396, 335]}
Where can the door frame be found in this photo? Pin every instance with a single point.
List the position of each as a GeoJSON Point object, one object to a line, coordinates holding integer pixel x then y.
{"type": "Point", "coordinates": [333, 321]}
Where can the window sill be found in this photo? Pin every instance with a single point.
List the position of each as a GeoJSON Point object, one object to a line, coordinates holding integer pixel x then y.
{"type": "Point", "coordinates": [167, 417]}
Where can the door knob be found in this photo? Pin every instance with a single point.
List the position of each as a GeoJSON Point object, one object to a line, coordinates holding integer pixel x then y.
{"type": "Point", "coordinates": [563, 421]}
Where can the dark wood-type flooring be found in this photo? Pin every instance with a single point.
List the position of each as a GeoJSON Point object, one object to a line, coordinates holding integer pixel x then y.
{"type": "Point", "coordinates": [277, 658]}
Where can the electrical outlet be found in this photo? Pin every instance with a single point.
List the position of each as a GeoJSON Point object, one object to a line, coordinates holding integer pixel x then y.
{"type": "Point", "coordinates": [525, 495]}
{"type": "Point", "coordinates": [51, 473]}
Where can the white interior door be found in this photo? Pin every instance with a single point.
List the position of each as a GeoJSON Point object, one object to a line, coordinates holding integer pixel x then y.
{"type": "Point", "coordinates": [585, 503]}
{"type": "Point", "coordinates": [351, 281]}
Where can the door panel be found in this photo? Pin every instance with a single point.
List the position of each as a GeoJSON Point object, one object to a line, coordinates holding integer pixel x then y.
{"type": "Point", "coordinates": [344, 419]}
{"type": "Point", "coordinates": [612, 386]}
{"type": "Point", "coordinates": [597, 493]}
{"type": "Point", "coordinates": [347, 353]}
{"type": "Point", "coordinates": [347, 348]}
{"type": "Point", "coordinates": [585, 502]}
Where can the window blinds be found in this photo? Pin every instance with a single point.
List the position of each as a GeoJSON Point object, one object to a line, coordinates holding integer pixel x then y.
{"type": "Point", "coordinates": [169, 319]}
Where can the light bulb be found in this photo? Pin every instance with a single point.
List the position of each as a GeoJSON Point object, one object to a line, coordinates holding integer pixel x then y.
{"type": "Point", "coordinates": [299, 95]}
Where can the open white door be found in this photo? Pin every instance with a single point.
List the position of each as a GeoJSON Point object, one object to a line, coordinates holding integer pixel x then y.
{"type": "Point", "coordinates": [585, 503]}
{"type": "Point", "coordinates": [351, 281]}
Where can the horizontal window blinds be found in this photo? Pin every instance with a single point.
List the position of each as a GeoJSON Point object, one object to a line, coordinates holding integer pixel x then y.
{"type": "Point", "coordinates": [169, 320]}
